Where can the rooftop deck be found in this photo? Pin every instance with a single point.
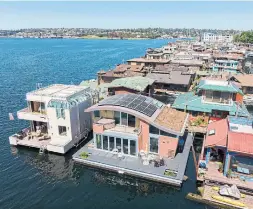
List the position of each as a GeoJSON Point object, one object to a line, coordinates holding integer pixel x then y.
{"type": "Point", "coordinates": [134, 165]}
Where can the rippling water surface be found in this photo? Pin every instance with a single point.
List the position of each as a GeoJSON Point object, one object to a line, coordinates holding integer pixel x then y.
{"type": "Point", "coordinates": [28, 180]}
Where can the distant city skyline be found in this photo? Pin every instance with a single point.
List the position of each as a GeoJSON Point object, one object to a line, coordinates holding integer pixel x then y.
{"type": "Point", "coordinates": [112, 15]}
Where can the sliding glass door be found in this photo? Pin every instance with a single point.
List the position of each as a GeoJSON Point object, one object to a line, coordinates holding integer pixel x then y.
{"type": "Point", "coordinates": [109, 143]}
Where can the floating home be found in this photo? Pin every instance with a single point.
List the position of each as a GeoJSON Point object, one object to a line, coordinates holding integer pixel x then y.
{"type": "Point", "coordinates": [56, 117]}
{"type": "Point", "coordinates": [214, 98]}
{"type": "Point", "coordinates": [226, 160]}
{"type": "Point", "coordinates": [139, 136]}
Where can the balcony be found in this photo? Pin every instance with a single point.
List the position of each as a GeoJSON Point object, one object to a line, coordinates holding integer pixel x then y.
{"type": "Point", "coordinates": [108, 125]}
{"type": "Point", "coordinates": [26, 114]}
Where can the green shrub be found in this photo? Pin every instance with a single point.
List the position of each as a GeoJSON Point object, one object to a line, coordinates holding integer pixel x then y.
{"type": "Point", "coordinates": [84, 155]}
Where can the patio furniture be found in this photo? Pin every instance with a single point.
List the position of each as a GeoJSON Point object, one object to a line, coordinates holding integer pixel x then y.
{"type": "Point", "coordinates": [156, 164]}
{"type": "Point", "coordinates": [142, 153]}
{"type": "Point", "coordinates": [162, 162]}
{"type": "Point", "coordinates": [120, 155]}
{"type": "Point", "coordinates": [145, 160]}
{"type": "Point", "coordinates": [115, 151]}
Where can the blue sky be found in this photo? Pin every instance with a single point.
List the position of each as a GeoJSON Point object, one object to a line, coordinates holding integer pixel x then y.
{"type": "Point", "coordinates": [217, 15]}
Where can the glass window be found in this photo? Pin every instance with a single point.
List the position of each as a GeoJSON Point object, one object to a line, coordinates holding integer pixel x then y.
{"type": "Point", "coordinates": [123, 119]}
{"type": "Point", "coordinates": [62, 130]}
{"type": "Point", "coordinates": [60, 113]}
{"type": "Point", "coordinates": [132, 147]}
{"type": "Point", "coordinates": [98, 141]}
{"type": "Point", "coordinates": [153, 130]}
{"type": "Point", "coordinates": [225, 97]}
{"type": "Point", "coordinates": [209, 96]}
{"type": "Point", "coordinates": [216, 96]}
{"type": "Point", "coordinates": [131, 120]}
{"type": "Point", "coordinates": [117, 117]}
{"type": "Point", "coordinates": [153, 145]}
{"type": "Point", "coordinates": [105, 142]}
{"type": "Point", "coordinates": [111, 143]}
{"type": "Point", "coordinates": [96, 114]}
{"type": "Point", "coordinates": [125, 146]}
{"type": "Point", "coordinates": [118, 144]}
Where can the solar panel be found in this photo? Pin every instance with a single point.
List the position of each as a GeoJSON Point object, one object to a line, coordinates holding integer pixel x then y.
{"type": "Point", "coordinates": [135, 102]}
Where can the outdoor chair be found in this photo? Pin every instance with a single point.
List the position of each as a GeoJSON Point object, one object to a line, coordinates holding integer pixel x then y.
{"type": "Point", "coordinates": [115, 151]}
{"type": "Point", "coordinates": [156, 164]}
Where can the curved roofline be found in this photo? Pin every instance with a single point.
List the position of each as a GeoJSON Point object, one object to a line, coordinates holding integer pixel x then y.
{"type": "Point", "coordinates": [139, 115]}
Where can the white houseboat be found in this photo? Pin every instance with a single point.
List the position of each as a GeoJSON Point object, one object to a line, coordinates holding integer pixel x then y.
{"type": "Point", "coordinates": [56, 116]}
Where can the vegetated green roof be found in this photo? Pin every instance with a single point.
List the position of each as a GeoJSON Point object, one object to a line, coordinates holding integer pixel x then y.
{"type": "Point", "coordinates": [138, 83]}
{"type": "Point", "coordinates": [230, 87]}
{"type": "Point", "coordinates": [192, 102]}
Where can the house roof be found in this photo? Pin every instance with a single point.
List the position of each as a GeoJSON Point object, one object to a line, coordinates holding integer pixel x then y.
{"type": "Point", "coordinates": [188, 62]}
{"type": "Point", "coordinates": [245, 79]}
{"type": "Point", "coordinates": [240, 142]}
{"type": "Point", "coordinates": [59, 91]}
{"type": "Point", "coordinates": [164, 118]}
{"type": "Point", "coordinates": [219, 138]}
{"type": "Point", "coordinates": [191, 101]}
{"type": "Point", "coordinates": [174, 77]}
{"type": "Point", "coordinates": [125, 67]}
{"type": "Point", "coordinates": [137, 83]}
{"type": "Point", "coordinates": [219, 85]}
{"type": "Point", "coordinates": [171, 119]}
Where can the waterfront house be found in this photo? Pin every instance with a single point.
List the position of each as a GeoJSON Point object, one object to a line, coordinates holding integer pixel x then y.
{"type": "Point", "coordinates": [56, 117]}
{"type": "Point", "coordinates": [143, 131]}
{"type": "Point", "coordinates": [227, 153]}
{"type": "Point", "coordinates": [158, 54]}
{"type": "Point", "coordinates": [245, 81]}
{"type": "Point", "coordinates": [121, 71]}
{"type": "Point", "coordinates": [176, 81]}
{"type": "Point", "coordinates": [150, 63]}
{"type": "Point", "coordinates": [214, 98]}
{"type": "Point", "coordinates": [227, 63]}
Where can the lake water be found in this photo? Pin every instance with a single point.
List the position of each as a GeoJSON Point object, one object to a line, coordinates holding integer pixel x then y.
{"type": "Point", "coordinates": [28, 180]}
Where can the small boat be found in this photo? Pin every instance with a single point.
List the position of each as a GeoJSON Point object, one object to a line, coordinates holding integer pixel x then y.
{"type": "Point", "coordinates": [229, 201]}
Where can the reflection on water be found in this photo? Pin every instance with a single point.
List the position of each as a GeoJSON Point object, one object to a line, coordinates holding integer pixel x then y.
{"type": "Point", "coordinates": [58, 168]}
{"type": "Point", "coordinates": [50, 165]}
{"type": "Point", "coordinates": [133, 184]}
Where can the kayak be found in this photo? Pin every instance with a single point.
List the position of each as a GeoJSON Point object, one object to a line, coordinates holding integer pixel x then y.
{"type": "Point", "coordinates": [216, 188]}
{"type": "Point", "coordinates": [229, 201]}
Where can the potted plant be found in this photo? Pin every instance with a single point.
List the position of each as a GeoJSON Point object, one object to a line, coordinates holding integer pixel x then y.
{"type": "Point", "coordinates": [229, 173]}
{"type": "Point", "coordinates": [220, 167]}
{"type": "Point", "coordinates": [84, 155]}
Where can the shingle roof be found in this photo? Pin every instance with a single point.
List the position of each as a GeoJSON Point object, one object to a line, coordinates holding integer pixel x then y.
{"type": "Point", "coordinates": [192, 102]}
{"type": "Point", "coordinates": [136, 83]}
{"type": "Point", "coordinates": [245, 80]}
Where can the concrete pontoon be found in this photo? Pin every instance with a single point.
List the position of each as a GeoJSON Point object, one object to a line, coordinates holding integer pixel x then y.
{"type": "Point", "coordinates": [133, 166]}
